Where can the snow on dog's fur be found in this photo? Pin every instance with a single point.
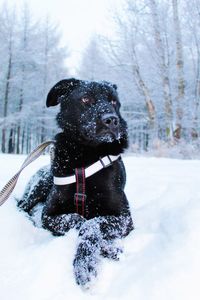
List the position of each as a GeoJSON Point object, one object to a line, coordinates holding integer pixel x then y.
{"type": "Point", "coordinates": [91, 128]}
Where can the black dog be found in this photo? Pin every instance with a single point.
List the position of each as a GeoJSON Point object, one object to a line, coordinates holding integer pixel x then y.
{"type": "Point", "coordinates": [93, 131]}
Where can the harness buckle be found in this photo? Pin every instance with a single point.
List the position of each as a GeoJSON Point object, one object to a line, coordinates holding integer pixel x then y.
{"type": "Point", "coordinates": [107, 162]}
{"type": "Point", "coordinates": [79, 198]}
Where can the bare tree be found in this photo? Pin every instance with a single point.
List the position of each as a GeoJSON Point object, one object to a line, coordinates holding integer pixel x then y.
{"type": "Point", "coordinates": [192, 9]}
{"type": "Point", "coordinates": [179, 65]}
{"type": "Point", "coordinates": [23, 49]}
{"type": "Point", "coordinates": [163, 66]}
{"type": "Point", "coordinates": [9, 30]}
{"type": "Point", "coordinates": [32, 61]}
{"type": "Point", "coordinates": [143, 89]}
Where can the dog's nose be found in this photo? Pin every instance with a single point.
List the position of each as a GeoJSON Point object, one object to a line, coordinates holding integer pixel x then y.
{"type": "Point", "coordinates": [111, 121]}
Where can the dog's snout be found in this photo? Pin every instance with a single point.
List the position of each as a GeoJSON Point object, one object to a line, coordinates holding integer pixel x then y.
{"type": "Point", "coordinates": [110, 121]}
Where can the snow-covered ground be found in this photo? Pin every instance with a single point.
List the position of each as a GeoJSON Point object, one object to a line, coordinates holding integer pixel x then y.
{"type": "Point", "coordinates": [161, 257]}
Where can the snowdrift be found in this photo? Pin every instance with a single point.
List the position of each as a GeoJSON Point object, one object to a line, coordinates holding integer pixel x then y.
{"type": "Point", "coordinates": [161, 257]}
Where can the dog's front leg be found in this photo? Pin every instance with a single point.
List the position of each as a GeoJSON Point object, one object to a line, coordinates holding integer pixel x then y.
{"type": "Point", "coordinates": [60, 224]}
{"type": "Point", "coordinates": [96, 238]}
{"type": "Point", "coordinates": [88, 253]}
{"type": "Point", "coordinates": [55, 218]}
{"type": "Point", "coordinates": [37, 190]}
{"type": "Point", "coordinates": [113, 228]}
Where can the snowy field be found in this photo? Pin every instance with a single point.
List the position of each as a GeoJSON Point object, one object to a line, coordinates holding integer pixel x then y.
{"type": "Point", "coordinates": [161, 257]}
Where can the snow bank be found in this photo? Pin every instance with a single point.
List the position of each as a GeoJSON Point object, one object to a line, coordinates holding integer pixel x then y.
{"type": "Point", "coordinates": [161, 257]}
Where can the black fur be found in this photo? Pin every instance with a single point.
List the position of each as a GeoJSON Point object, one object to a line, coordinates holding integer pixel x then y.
{"type": "Point", "coordinates": [92, 127]}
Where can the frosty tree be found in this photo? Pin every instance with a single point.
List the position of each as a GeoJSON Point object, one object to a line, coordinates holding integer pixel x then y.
{"type": "Point", "coordinates": [32, 60]}
{"type": "Point", "coordinates": [155, 57]}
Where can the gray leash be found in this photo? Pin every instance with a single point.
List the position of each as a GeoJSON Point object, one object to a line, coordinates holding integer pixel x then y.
{"type": "Point", "coordinates": [9, 187]}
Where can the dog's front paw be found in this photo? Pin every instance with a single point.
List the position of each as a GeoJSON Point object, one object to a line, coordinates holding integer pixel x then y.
{"type": "Point", "coordinates": [85, 264]}
{"type": "Point", "coordinates": [23, 205]}
{"type": "Point", "coordinates": [84, 271]}
{"type": "Point", "coordinates": [111, 251]}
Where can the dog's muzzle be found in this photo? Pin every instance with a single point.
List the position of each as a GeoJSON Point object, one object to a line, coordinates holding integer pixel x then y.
{"type": "Point", "coordinates": [110, 121]}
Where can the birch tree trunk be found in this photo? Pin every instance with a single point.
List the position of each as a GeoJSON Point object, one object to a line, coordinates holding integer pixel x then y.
{"type": "Point", "coordinates": [163, 65]}
{"type": "Point", "coordinates": [196, 62]}
{"type": "Point", "coordinates": [6, 95]}
{"type": "Point", "coordinates": [196, 86]}
{"type": "Point", "coordinates": [179, 67]}
{"type": "Point", "coordinates": [25, 36]}
{"type": "Point", "coordinates": [23, 70]}
{"type": "Point", "coordinates": [46, 52]}
{"type": "Point", "coordinates": [144, 90]}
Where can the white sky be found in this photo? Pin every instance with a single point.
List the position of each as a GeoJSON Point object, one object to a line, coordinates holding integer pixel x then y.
{"type": "Point", "coordinates": [77, 19]}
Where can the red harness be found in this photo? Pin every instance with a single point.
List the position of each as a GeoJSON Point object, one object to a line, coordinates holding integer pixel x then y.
{"type": "Point", "coordinates": [80, 196]}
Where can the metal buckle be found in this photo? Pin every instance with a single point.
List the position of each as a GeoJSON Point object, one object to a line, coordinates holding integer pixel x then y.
{"type": "Point", "coordinates": [80, 197]}
{"type": "Point", "coordinates": [107, 165]}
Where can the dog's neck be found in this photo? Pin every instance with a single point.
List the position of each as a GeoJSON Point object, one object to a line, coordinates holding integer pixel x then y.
{"type": "Point", "coordinates": [70, 154]}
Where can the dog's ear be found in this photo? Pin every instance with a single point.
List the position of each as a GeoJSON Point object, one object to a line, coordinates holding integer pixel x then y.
{"type": "Point", "coordinates": [110, 84]}
{"type": "Point", "coordinates": [63, 87]}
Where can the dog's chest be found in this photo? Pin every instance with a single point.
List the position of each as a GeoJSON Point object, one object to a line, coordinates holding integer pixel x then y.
{"type": "Point", "coordinates": [102, 194]}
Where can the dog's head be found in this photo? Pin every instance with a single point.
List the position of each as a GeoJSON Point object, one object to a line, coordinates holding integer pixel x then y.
{"type": "Point", "coordinates": [89, 111]}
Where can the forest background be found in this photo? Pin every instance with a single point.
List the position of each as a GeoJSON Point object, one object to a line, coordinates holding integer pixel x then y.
{"type": "Point", "coordinates": [152, 54]}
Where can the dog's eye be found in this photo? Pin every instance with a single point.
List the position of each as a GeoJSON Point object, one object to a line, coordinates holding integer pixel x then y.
{"type": "Point", "coordinates": [88, 100]}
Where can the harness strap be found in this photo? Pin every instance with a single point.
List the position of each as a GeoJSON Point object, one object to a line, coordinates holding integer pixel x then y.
{"type": "Point", "coordinates": [80, 196]}
{"type": "Point", "coordinates": [102, 163]}
{"type": "Point", "coordinates": [9, 187]}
